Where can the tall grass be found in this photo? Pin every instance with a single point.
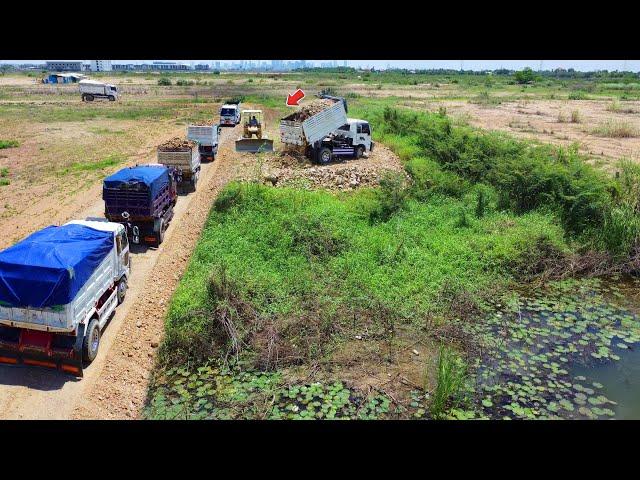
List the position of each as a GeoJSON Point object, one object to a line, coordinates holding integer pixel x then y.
{"type": "Point", "coordinates": [616, 129]}
{"type": "Point", "coordinates": [450, 382]}
{"type": "Point", "coordinates": [446, 159]}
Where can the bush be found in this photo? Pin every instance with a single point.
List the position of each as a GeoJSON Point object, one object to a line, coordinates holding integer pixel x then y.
{"type": "Point", "coordinates": [525, 76]}
{"type": "Point", "coordinates": [164, 81]}
{"type": "Point", "coordinates": [391, 196]}
{"type": "Point", "coordinates": [9, 144]}
{"type": "Point", "coordinates": [528, 176]}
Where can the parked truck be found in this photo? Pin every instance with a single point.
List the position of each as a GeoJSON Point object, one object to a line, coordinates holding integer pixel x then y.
{"type": "Point", "coordinates": [58, 289]}
{"type": "Point", "coordinates": [230, 113]}
{"type": "Point", "coordinates": [183, 157]}
{"type": "Point", "coordinates": [325, 132]}
{"type": "Point", "coordinates": [142, 199]}
{"type": "Point", "coordinates": [92, 89]}
{"type": "Point", "coordinates": [206, 136]}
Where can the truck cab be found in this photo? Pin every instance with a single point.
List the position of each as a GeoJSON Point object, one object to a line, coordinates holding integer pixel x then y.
{"type": "Point", "coordinates": [230, 114]}
{"type": "Point", "coordinates": [356, 133]}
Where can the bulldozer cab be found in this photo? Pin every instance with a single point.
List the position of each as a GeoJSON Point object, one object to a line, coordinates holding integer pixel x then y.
{"type": "Point", "coordinates": [252, 120]}
{"type": "Point", "coordinates": [253, 138]}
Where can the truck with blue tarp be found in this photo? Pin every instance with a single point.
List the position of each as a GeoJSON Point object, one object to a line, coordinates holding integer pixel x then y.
{"type": "Point", "coordinates": [142, 199]}
{"type": "Point", "coordinates": [58, 289]}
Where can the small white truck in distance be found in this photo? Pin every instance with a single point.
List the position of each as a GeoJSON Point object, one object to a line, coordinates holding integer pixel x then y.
{"type": "Point", "coordinates": [58, 289]}
{"type": "Point", "coordinates": [92, 89]}
{"type": "Point", "coordinates": [230, 114]}
{"type": "Point", "coordinates": [206, 136]}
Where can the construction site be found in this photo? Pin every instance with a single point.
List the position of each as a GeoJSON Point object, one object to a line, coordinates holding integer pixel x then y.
{"type": "Point", "coordinates": [382, 245]}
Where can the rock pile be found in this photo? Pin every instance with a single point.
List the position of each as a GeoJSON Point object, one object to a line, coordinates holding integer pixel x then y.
{"type": "Point", "coordinates": [176, 145]}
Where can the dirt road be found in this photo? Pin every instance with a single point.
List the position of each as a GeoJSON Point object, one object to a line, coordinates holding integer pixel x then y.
{"type": "Point", "coordinates": [114, 385]}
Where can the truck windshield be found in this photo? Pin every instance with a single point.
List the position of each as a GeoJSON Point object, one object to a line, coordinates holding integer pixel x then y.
{"type": "Point", "coordinates": [227, 112]}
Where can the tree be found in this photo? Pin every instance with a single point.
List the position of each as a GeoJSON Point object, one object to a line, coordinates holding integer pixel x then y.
{"type": "Point", "coordinates": [525, 76]}
{"type": "Point", "coordinates": [5, 68]}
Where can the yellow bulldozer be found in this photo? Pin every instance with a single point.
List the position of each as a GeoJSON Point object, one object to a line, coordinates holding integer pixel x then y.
{"type": "Point", "coordinates": [253, 126]}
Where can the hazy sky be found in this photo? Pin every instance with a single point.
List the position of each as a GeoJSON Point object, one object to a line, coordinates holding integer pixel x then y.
{"type": "Point", "coordinates": [583, 65]}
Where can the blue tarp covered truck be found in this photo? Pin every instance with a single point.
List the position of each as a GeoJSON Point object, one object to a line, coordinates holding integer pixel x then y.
{"type": "Point", "coordinates": [58, 288]}
{"type": "Point", "coordinates": [142, 199]}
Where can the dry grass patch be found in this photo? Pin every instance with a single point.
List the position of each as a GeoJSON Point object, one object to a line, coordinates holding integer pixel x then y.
{"type": "Point", "coordinates": [616, 129]}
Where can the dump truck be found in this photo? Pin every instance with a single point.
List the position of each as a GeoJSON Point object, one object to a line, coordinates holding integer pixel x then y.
{"type": "Point", "coordinates": [92, 89]}
{"type": "Point", "coordinates": [142, 199]}
{"type": "Point", "coordinates": [183, 157]}
{"type": "Point", "coordinates": [253, 126]}
{"type": "Point", "coordinates": [230, 113]}
{"type": "Point", "coordinates": [206, 136]}
{"type": "Point", "coordinates": [315, 130]}
{"type": "Point", "coordinates": [58, 289]}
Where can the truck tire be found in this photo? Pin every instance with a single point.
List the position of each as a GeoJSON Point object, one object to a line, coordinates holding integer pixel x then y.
{"type": "Point", "coordinates": [359, 151]}
{"type": "Point", "coordinates": [84, 97]}
{"type": "Point", "coordinates": [89, 98]}
{"type": "Point", "coordinates": [324, 155]}
{"type": "Point", "coordinates": [91, 342]}
{"type": "Point", "coordinates": [160, 234]}
{"type": "Point", "coordinates": [122, 289]}
{"type": "Point", "coordinates": [112, 98]}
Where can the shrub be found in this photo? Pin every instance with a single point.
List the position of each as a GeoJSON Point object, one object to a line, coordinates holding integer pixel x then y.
{"type": "Point", "coordinates": [391, 196]}
{"type": "Point", "coordinates": [525, 76]}
{"type": "Point", "coordinates": [9, 144]}
{"type": "Point", "coordinates": [164, 81]}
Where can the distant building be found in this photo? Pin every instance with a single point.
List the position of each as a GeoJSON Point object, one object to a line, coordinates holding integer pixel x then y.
{"type": "Point", "coordinates": [164, 66]}
{"type": "Point", "coordinates": [202, 66]}
{"type": "Point", "coordinates": [64, 66]}
{"type": "Point", "coordinates": [101, 65]}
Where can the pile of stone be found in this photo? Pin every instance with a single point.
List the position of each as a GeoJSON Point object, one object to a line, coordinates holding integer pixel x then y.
{"type": "Point", "coordinates": [176, 145]}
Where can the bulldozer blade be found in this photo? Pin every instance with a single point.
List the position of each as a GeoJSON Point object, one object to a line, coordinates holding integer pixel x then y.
{"type": "Point", "coordinates": [254, 145]}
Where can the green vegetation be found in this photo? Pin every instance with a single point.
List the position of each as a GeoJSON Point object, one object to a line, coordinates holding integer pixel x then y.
{"type": "Point", "coordinates": [4, 174]}
{"type": "Point", "coordinates": [78, 167]}
{"type": "Point", "coordinates": [9, 144]}
{"type": "Point", "coordinates": [164, 81]}
{"type": "Point", "coordinates": [616, 129]}
{"type": "Point", "coordinates": [451, 382]}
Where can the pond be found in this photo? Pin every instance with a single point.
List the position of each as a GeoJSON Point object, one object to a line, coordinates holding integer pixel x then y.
{"type": "Point", "coordinates": [568, 351]}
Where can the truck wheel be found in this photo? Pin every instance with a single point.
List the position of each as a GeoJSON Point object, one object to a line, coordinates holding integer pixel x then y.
{"type": "Point", "coordinates": [89, 98]}
{"type": "Point", "coordinates": [91, 342]}
{"type": "Point", "coordinates": [112, 98]}
{"type": "Point", "coordinates": [122, 290]}
{"type": "Point", "coordinates": [84, 97]}
{"type": "Point", "coordinates": [160, 234]}
{"type": "Point", "coordinates": [324, 155]}
{"type": "Point", "coordinates": [359, 151]}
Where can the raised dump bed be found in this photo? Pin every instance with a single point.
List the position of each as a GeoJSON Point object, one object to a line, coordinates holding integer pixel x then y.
{"type": "Point", "coordinates": [184, 157]}
{"type": "Point", "coordinates": [312, 123]}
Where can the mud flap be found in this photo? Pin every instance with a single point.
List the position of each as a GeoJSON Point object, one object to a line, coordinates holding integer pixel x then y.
{"type": "Point", "coordinates": [14, 350]}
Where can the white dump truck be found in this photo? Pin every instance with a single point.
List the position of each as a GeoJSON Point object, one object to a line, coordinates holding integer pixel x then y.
{"type": "Point", "coordinates": [58, 289]}
{"type": "Point", "coordinates": [92, 89]}
{"type": "Point", "coordinates": [230, 114]}
{"type": "Point", "coordinates": [206, 136]}
{"type": "Point", "coordinates": [327, 133]}
{"type": "Point", "coordinates": [183, 157]}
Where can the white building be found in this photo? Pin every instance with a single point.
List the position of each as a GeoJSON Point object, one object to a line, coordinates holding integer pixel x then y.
{"type": "Point", "coordinates": [100, 65]}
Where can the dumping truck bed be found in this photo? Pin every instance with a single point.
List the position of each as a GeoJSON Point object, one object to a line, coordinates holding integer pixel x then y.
{"type": "Point", "coordinates": [313, 128]}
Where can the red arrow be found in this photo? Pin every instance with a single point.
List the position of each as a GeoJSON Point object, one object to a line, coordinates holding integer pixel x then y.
{"type": "Point", "coordinates": [292, 100]}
